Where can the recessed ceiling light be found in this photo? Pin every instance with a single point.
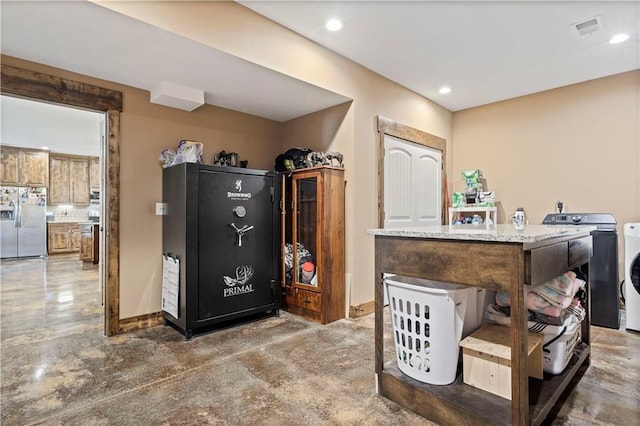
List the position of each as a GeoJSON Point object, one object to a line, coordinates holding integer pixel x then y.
{"type": "Point", "coordinates": [444, 90]}
{"type": "Point", "coordinates": [334, 25]}
{"type": "Point", "coordinates": [619, 38]}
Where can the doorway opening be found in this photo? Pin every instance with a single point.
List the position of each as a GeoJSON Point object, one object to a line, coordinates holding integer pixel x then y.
{"type": "Point", "coordinates": [33, 85]}
{"type": "Point", "coordinates": [69, 143]}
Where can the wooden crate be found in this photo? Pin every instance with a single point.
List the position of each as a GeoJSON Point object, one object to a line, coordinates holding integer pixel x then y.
{"type": "Point", "coordinates": [486, 359]}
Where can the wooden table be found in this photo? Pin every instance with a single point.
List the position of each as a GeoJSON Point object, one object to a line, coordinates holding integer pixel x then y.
{"type": "Point", "coordinates": [497, 258]}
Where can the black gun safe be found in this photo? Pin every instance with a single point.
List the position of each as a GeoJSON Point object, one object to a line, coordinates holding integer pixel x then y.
{"type": "Point", "coordinates": [223, 224]}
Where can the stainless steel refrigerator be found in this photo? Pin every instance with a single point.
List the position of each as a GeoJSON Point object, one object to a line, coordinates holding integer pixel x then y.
{"type": "Point", "coordinates": [23, 225]}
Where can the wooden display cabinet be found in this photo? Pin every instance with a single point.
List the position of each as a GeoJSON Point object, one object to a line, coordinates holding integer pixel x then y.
{"type": "Point", "coordinates": [313, 220]}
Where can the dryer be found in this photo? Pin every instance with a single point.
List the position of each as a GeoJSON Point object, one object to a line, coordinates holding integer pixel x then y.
{"type": "Point", "coordinates": [632, 274]}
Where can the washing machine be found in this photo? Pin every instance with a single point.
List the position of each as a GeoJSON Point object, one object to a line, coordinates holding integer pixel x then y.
{"type": "Point", "coordinates": [604, 281]}
{"type": "Point", "coordinates": [632, 274]}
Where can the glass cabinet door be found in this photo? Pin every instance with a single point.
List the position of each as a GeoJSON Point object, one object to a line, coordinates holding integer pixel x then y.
{"type": "Point", "coordinates": [305, 225]}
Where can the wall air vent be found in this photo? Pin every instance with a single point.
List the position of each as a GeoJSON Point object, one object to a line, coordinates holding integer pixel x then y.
{"type": "Point", "coordinates": [588, 26]}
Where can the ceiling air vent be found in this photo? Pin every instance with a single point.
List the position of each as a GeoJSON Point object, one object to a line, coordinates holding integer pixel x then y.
{"type": "Point", "coordinates": [588, 26]}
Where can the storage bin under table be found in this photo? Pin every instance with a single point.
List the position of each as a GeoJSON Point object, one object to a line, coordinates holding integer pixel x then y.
{"type": "Point", "coordinates": [486, 359]}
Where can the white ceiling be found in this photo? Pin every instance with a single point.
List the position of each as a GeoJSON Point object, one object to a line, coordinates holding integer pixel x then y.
{"type": "Point", "coordinates": [485, 51]}
{"type": "Point", "coordinates": [37, 125]}
{"type": "Point", "coordinates": [79, 36]}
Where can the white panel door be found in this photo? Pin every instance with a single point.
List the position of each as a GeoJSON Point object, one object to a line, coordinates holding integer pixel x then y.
{"type": "Point", "coordinates": [412, 184]}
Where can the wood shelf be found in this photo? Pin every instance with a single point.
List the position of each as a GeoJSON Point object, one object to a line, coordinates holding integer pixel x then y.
{"type": "Point", "coordinates": [471, 405]}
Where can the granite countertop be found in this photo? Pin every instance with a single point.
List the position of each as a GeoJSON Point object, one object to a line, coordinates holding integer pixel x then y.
{"type": "Point", "coordinates": [499, 233]}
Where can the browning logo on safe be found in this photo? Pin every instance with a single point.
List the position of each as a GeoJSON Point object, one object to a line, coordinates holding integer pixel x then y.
{"type": "Point", "coordinates": [239, 195]}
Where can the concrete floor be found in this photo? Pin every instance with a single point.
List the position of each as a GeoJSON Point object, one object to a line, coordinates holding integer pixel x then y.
{"type": "Point", "coordinates": [58, 368]}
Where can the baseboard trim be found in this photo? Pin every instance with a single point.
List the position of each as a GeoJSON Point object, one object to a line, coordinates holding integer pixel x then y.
{"type": "Point", "coordinates": [139, 322]}
{"type": "Point", "coordinates": [362, 309]}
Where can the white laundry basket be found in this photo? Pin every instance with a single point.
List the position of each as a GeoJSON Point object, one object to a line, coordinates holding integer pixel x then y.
{"type": "Point", "coordinates": [427, 319]}
{"type": "Point", "coordinates": [559, 344]}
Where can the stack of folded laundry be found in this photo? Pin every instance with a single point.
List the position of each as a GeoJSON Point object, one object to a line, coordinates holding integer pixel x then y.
{"type": "Point", "coordinates": [553, 303]}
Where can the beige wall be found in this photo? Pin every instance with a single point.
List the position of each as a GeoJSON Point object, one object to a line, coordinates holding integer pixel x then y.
{"type": "Point", "coordinates": [234, 29]}
{"type": "Point", "coordinates": [579, 144]}
{"type": "Point", "coordinates": [146, 129]}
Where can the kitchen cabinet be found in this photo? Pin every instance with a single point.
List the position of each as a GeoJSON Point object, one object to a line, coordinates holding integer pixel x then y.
{"type": "Point", "coordinates": [69, 180]}
{"type": "Point", "coordinates": [63, 237]}
{"type": "Point", "coordinates": [75, 239]}
{"type": "Point", "coordinates": [313, 222]}
{"type": "Point", "coordinates": [89, 239]}
{"type": "Point", "coordinates": [500, 258]}
{"type": "Point", "coordinates": [94, 173]}
{"type": "Point", "coordinates": [24, 167]}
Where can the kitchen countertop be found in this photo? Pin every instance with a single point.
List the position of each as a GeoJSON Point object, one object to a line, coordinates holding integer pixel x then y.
{"type": "Point", "coordinates": [497, 233]}
{"type": "Point", "coordinates": [79, 222]}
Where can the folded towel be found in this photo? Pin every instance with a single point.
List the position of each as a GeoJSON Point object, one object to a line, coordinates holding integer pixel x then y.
{"type": "Point", "coordinates": [534, 302]}
{"type": "Point", "coordinates": [561, 290]}
{"type": "Point", "coordinates": [540, 305]}
{"type": "Point", "coordinates": [534, 325]}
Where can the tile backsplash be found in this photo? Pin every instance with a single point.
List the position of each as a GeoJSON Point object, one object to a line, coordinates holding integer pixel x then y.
{"type": "Point", "coordinates": [69, 214]}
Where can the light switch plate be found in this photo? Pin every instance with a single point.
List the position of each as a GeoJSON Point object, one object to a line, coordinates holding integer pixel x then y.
{"type": "Point", "coordinates": [161, 209]}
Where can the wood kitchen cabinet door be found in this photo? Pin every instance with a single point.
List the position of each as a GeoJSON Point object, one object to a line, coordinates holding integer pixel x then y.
{"type": "Point", "coordinates": [34, 168]}
{"type": "Point", "coordinates": [89, 243]}
{"type": "Point", "coordinates": [94, 172]}
{"type": "Point", "coordinates": [76, 238]}
{"type": "Point", "coordinates": [59, 178]}
{"type": "Point", "coordinates": [79, 181]}
{"type": "Point", "coordinates": [64, 237]}
{"type": "Point", "coordinates": [24, 167]}
{"type": "Point", "coordinates": [69, 180]}
{"type": "Point", "coordinates": [86, 247]}
{"type": "Point", "coordinates": [9, 166]}
{"type": "Point", "coordinates": [59, 238]}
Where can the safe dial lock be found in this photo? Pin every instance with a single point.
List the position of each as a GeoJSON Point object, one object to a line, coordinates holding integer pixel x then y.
{"type": "Point", "coordinates": [240, 211]}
